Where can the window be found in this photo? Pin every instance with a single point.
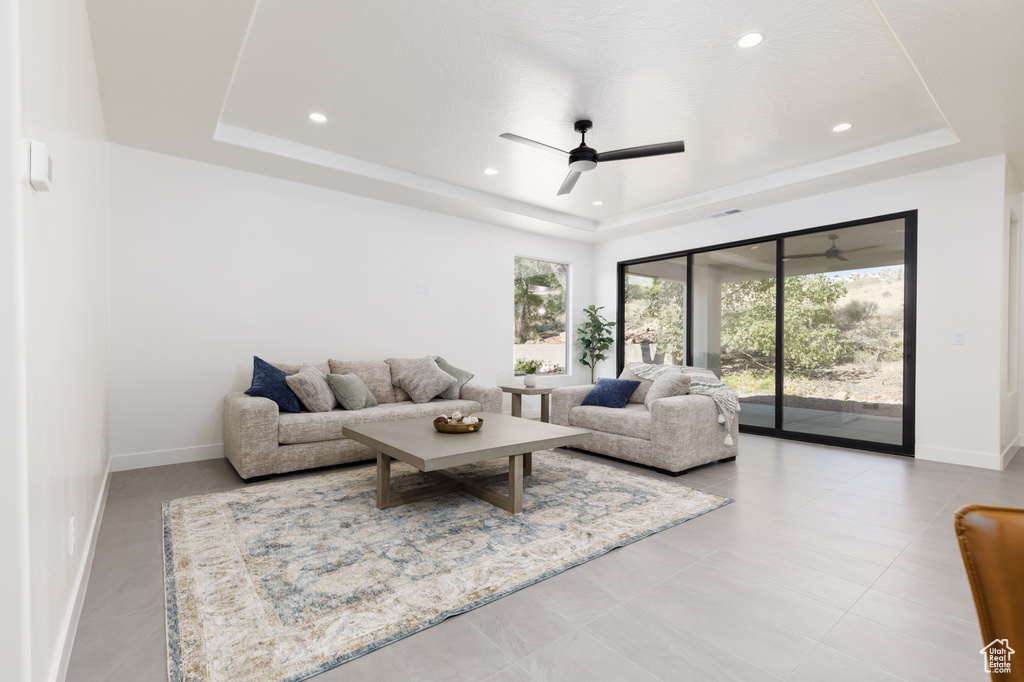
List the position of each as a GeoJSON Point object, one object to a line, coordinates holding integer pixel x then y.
{"type": "Point", "coordinates": [539, 330]}
{"type": "Point", "coordinates": [655, 312]}
{"type": "Point", "coordinates": [814, 329]}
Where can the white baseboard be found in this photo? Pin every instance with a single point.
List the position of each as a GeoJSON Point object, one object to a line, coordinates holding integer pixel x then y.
{"type": "Point", "coordinates": [982, 460]}
{"type": "Point", "coordinates": [156, 458]}
{"type": "Point", "coordinates": [84, 571]}
{"type": "Point", "coordinates": [1009, 452]}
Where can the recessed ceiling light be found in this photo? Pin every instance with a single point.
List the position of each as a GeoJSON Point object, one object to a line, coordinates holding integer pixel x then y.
{"type": "Point", "coordinates": [490, 171]}
{"type": "Point", "coordinates": [752, 39]}
{"type": "Point", "coordinates": [841, 127]}
{"type": "Point", "coordinates": [317, 117]}
{"type": "Point", "coordinates": [598, 203]}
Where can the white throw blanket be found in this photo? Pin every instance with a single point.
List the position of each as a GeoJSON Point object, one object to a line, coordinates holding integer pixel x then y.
{"type": "Point", "coordinates": [702, 382]}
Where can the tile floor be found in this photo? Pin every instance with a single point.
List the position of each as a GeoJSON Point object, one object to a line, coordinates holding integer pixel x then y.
{"type": "Point", "coordinates": [831, 565]}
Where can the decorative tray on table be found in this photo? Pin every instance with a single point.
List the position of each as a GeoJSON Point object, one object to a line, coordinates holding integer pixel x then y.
{"type": "Point", "coordinates": [458, 423]}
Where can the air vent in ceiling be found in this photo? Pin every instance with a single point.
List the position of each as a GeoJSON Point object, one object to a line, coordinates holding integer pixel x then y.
{"type": "Point", "coordinates": [728, 211]}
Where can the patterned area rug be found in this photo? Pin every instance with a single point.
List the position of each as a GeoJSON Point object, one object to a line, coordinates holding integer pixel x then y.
{"type": "Point", "coordinates": [285, 580]}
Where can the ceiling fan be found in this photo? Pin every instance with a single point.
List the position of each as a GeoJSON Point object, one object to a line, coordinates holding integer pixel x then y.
{"type": "Point", "coordinates": [584, 158]}
{"type": "Point", "coordinates": [833, 252]}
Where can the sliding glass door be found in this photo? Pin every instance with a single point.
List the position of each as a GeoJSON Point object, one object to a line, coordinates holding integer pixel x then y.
{"type": "Point", "coordinates": [814, 329]}
{"type": "Point", "coordinates": [844, 332]}
{"type": "Point", "coordinates": [734, 324]}
{"type": "Point", "coordinates": [653, 309]}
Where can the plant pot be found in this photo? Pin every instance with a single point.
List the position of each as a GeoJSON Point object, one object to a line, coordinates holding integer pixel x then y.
{"type": "Point", "coordinates": [529, 380]}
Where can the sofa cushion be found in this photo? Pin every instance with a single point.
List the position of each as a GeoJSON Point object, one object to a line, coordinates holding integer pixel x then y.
{"type": "Point", "coordinates": [462, 377]}
{"type": "Point", "coordinates": [313, 427]}
{"type": "Point", "coordinates": [351, 392]}
{"type": "Point", "coordinates": [376, 376]}
{"type": "Point", "coordinates": [640, 394]}
{"type": "Point", "coordinates": [294, 369]}
{"type": "Point", "coordinates": [666, 386]}
{"type": "Point", "coordinates": [398, 367]}
{"type": "Point", "coordinates": [269, 382]}
{"type": "Point", "coordinates": [424, 380]}
{"type": "Point", "coordinates": [610, 392]}
{"type": "Point", "coordinates": [632, 420]}
{"type": "Point", "coordinates": [312, 389]}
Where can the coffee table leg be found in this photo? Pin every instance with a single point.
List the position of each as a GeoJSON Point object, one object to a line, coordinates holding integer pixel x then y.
{"type": "Point", "coordinates": [527, 463]}
{"type": "Point", "coordinates": [517, 405]}
{"type": "Point", "coordinates": [383, 481]}
{"type": "Point", "coordinates": [515, 484]}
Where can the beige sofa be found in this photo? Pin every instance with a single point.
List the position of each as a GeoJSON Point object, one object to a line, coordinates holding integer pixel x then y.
{"type": "Point", "coordinates": [260, 440]}
{"type": "Point", "coordinates": [676, 434]}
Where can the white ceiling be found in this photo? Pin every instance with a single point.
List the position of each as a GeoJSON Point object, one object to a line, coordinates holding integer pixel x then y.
{"type": "Point", "coordinates": [416, 94]}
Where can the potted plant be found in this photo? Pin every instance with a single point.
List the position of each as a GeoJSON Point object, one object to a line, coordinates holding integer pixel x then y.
{"type": "Point", "coordinates": [594, 337]}
{"type": "Point", "coordinates": [529, 368]}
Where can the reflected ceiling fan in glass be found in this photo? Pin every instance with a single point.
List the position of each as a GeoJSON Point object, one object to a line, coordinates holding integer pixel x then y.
{"type": "Point", "coordinates": [833, 252]}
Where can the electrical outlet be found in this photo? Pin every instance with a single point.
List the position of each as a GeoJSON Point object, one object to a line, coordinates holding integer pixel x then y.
{"type": "Point", "coordinates": [71, 536]}
{"type": "Point", "coordinates": [958, 338]}
{"type": "Point", "coordinates": [423, 289]}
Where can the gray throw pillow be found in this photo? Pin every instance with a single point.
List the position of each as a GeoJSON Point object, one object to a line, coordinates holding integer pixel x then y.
{"type": "Point", "coordinates": [352, 393]}
{"type": "Point", "coordinates": [311, 387]}
{"type": "Point", "coordinates": [461, 378]}
{"type": "Point", "coordinates": [375, 374]}
{"type": "Point", "coordinates": [666, 386]}
{"type": "Point", "coordinates": [424, 380]}
{"type": "Point", "coordinates": [640, 394]}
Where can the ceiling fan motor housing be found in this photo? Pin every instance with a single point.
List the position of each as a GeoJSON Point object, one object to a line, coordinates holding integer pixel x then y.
{"type": "Point", "coordinates": [583, 158]}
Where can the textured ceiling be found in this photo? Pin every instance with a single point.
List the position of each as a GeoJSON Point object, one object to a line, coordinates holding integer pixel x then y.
{"type": "Point", "coordinates": [417, 93]}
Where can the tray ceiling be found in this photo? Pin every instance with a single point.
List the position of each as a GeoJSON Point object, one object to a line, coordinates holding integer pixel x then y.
{"type": "Point", "coordinates": [416, 95]}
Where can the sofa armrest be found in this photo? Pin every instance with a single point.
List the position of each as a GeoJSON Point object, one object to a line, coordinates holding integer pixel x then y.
{"type": "Point", "coordinates": [489, 397]}
{"type": "Point", "coordinates": [563, 399]}
{"type": "Point", "coordinates": [685, 431]}
{"type": "Point", "coordinates": [250, 432]}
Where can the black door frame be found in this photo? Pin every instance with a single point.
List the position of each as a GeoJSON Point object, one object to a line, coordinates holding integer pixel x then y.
{"type": "Point", "coordinates": [909, 327]}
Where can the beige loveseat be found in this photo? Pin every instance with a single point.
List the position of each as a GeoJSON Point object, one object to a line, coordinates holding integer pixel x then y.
{"type": "Point", "coordinates": [260, 440]}
{"type": "Point", "coordinates": [675, 434]}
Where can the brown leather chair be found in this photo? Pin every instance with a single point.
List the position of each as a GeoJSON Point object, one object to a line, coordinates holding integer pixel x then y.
{"type": "Point", "coordinates": [992, 545]}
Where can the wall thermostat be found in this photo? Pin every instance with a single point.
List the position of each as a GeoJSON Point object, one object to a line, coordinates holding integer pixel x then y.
{"type": "Point", "coordinates": [40, 174]}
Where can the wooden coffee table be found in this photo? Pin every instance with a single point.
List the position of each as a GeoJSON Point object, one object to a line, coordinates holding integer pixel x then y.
{"type": "Point", "coordinates": [417, 443]}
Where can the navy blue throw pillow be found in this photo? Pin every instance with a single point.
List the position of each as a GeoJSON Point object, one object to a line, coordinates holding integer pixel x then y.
{"type": "Point", "coordinates": [611, 392]}
{"type": "Point", "coordinates": [268, 382]}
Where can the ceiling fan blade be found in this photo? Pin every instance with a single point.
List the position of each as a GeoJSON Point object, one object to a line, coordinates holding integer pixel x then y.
{"type": "Point", "coordinates": [842, 257]}
{"type": "Point", "coordinates": [646, 150]}
{"type": "Point", "coordinates": [569, 182]}
{"type": "Point", "coordinates": [532, 143]}
{"type": "Point", "coordinates": [806, 255]}
{"type": "Point", "coordinates": [859, 248]}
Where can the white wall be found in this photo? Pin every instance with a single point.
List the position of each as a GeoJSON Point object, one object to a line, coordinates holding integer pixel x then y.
{"type": "Point", "coordinates": [210, 266]}
{"type": "Point", "coordinates": [1009, 391]}
{"type": "Point", "coordinates": [15, 643]}
{"type": "Point", "coordinates": [63, 280]}
{"type": "Point", "coordinates": [961, 232]}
